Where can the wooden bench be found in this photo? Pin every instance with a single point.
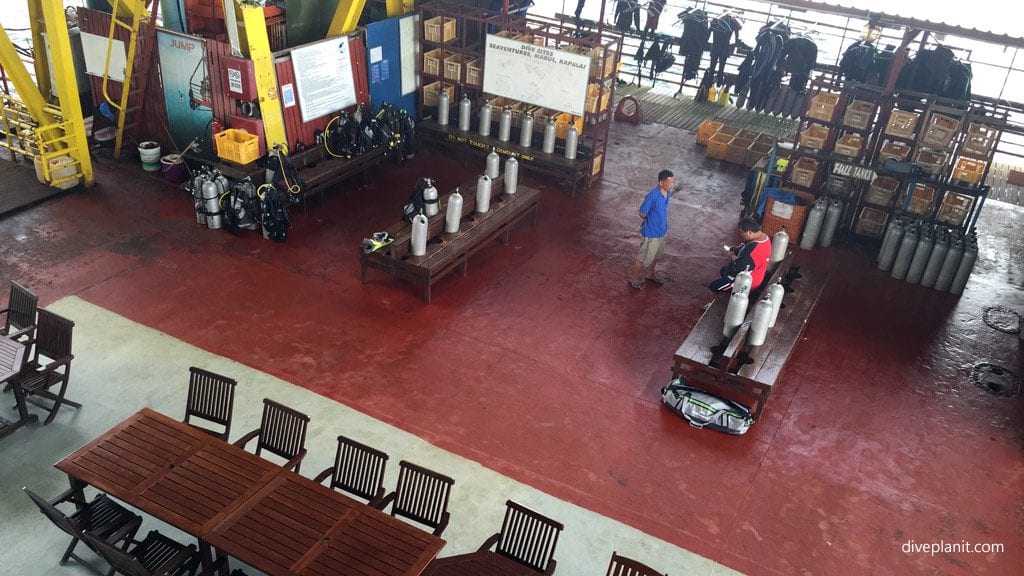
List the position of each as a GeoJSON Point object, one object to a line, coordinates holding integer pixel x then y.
{"type": "Point", "coordinates": [572, 171]}
{"type": "Point", "coordinates": [731, 364]}
{"type": "Point", "coordinates": [447, 252]}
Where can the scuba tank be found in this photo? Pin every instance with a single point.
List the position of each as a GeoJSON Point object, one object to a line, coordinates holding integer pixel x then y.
{"type": "Point", "coordinates": [905, 253]}
{"type": "Point", "coordinates": [925, 242]}
{"type": "Point", "coordinates": [511, 175]}
{"type": "Point", "coordinates": [465, 109]}
{"type": "Point", "coordinates": [963, 271]}
{"type": "Point", "coordinates": [939, 249]}
{"type": "Point", "coordinates": [735, 313]}
{"type": "Point", "coordinates": [759, 325]}
{"type": "Point", "coordinates": [813, 226]}
{"type": "Point", "coordinates": [493, 163]}
{"type": "Point", "coordinates": [210, 198]}
{"type": "Point", "coordinates": [197, 197]}
{"type": "Point", "coordinates": [572, 137]}
{"type": "Point", "coordinates": [419, 235]}
{"type": "Point", "coordinates": [775, 293]}
{"type": "Point", "coordinates": [505, 124]}
{"type": "Point", "coordinates": [442, 108]}
{"type": "Point", "coordinates": [890, 242]}
{"type": "Point", "coordinates": [453, 213]}
{"type": "Point", "coordinates": [485, 120]}
{"type": "Point", "coordinates": [828, 229]}
{"type": "Point", "coordinates": [526, 130]}
{"type": "Point", "coordinates": [550, 130]}
{"type": "Point", "coordinates": [743, 282]}
{"type": "Point", "coordinates": [483, 194]}
{"type": "Point", "coordinates": [430, 199]}
{"type": "Point", "coordinates": [950, 264]}
{"type": "Point", "coordinates": [780, 243]}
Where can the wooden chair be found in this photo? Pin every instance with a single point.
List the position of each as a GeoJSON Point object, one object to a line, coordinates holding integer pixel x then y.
{"type": "Point", "coordinates": [358, 469]}
{"type": "Point", "coordinates": [19, 318]}
{"type": "Point", "coordinates": [622, 566]}
{"type": "Point", "coordinates": [211, 397]}
{"type": "Point", "coordinates": [52, 353]}
{"type": "Point", "coordinates": [282, 431]}
{"type": "Point", "coordinates": [20, 313]}
{"type": "Point", "coordinates": [101, 518]}
{"type": "Point", "coordinates": [526, 537]}
{"type": "Point", "coordinates": [420, 495]}
{"type": "Point", "coordinates": [157, 555]}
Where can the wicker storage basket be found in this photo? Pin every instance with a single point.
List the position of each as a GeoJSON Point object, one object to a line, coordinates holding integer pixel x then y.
{"type": "Point", "coordinates": [814, 137]}
{"type": "Point", "coordinates": [940, 130]}
{"type": "Point", "coordinates": [718, 145]}
{"type": "Point", "coordinates": [823, 106]}
{"type": "Point", "coordinates": [902, 123]}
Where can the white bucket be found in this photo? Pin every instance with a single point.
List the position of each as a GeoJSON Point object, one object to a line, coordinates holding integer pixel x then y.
{"type": "Point", "coordinates": [61, 168]}
{"type": "Point", "coordinates": [149, 151]}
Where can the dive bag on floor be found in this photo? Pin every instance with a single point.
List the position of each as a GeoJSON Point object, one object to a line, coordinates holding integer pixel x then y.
{"type": "Point", "coordinates": [704, 410]}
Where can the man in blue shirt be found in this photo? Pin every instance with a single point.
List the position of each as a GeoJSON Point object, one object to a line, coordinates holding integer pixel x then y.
{"type": "Point", "coordinates": [654, 211]}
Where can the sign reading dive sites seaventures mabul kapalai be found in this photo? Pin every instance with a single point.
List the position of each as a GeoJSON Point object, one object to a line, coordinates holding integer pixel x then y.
{"type": "Point", "coordinates": [541, 76]}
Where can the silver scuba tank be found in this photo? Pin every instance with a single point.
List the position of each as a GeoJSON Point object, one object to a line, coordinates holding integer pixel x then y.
{"type": "Point", "coordinates": [465, 112]}
{"type": "Point", "coordinates": [905, 253]}
{"type": "Point", "coordinates": [526, 130]}
{"type": "Point", "coordinates": [505, 125]}
{"type": "Point", "coordinates": [813, 227]}
{"type": "Point", "coordinates": [197, 197]}
{"type": "Point", "coordinates": [572, 137]}
{"type": "Point", "coordinates": [493, 164]}
{"type": "Point", "coordinates": [483, 194]}
{"type": "Point", "coordinates": [950, 264]}
{"type": "Point", "coordinates": [419, 235]}
{"type": "Point", "coordinates": [780, 243]}
{"type": "Point", "coordinates": [210, 199]}
{"type": "Point", "coordinates": [442, 108]}
{"type": "Point", "coordinates": [734, 313]}
{"type": "Point", "coordinates": [742, 282]}
{"type": "Point", "coordinates": [925, 242]}
{"type": "Point", "coordinates": [963, 271]}
{"type": "Point", "coordinates": [775, 293]}
{"type": "Point", "coordinates": [890, 245]}
{"type": "Point", "coordinates": [453, 212]}
{"type": "Point", "coordinates": [430, 199]}
{"type": "Point", "coordinates": [759, 325]}
{"type": "Point", "coordinates": [485, 120]}
{"type": "Point", "coordinates": [550, 131]}
{"type": "Point", "coordinates": [935, 259]}
{"type": "Point", "coordinates": [828, 229]}
{"type": "Point", "coordinates": [511, 175]}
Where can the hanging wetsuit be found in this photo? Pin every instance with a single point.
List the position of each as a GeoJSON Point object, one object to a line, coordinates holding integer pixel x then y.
{"type": "Point", "coordinates": [626, 12]}
{"type": "Point", "coordinates": [579, 8]}
{"type": "Point", "coordinates": [693, 41]}
{"type": "Point", "coordinates": [722, 30]}
{"type": "Point", "coordinates": [858, 61]}
{"type": "Point", "coordinates": [765, 73]}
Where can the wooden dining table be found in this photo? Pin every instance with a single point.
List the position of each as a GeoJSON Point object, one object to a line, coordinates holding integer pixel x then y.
{"type": "Point", "coordinates": [12, 355]}
{"type": "Point", "coordinates": [480, 563]}
{"type": "Point", "coordinates": [244, 506]}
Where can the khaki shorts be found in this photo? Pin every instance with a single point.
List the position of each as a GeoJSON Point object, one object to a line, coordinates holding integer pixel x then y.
{"type": "Point", "coordinates": [651, 250]}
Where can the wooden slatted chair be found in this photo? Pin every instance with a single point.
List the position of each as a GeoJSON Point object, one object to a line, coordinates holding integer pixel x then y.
{"type": "Point", "coordinates": [19, 317]}
{"type": "Point", "coordinates": [623, 566]}
{"type": "Point", "coordinates": [421, 495]}
{"type": "Point", "coordinates": [211, 397]}
{"type": "Point", "coordinates": [101, 518]}
{"type": "Point", "coordinates": [50, 364]}
{"type": "Point", "coordinates": [358, 469]}
{"type": "Point", "coordinates": [282, 431]}
{"type": "Point", "coordinates": [526, 537]}
{"type": "Point", "coordinates": [156, 555]}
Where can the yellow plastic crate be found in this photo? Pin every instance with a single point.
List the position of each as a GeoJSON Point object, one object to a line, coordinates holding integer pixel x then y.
{"type": "Point", "coordinates": [237, 146]}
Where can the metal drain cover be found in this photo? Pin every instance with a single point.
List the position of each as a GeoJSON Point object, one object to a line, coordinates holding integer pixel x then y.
{"type": "Point", "coordinates": [995, 379]}
{"type": "Point", "coordinates": [1002, 319]}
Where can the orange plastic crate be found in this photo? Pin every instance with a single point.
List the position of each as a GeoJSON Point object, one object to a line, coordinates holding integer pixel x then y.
{"type": "Point", "coordinates": [850, 145]}
{"type": "Point", "coordinates": [706, 130]}
{"type": "Point", "coordinates": [921, 200]}
{"type": "Point", "coordinates": [814, 137]}
{"type": "Point", "coordinates": [823, 106]}
{"type": "Point", "coordinates": [891, 149]}
{"type": "Point", "coordinates": [737, 151]}
{"type": "Point", "coordinates": [718, 146]}
{"type": "Point", "coordinates": [969, 171]}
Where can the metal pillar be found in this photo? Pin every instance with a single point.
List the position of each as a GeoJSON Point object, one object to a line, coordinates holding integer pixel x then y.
{"type": "Point", "coordinates": [346, 17]}
{"type": "Point", "coordinates": [256, 44]}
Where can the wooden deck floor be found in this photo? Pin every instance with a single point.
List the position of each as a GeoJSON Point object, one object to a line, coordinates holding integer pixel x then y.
{"type": "Point", "coordinates": [19, 187]}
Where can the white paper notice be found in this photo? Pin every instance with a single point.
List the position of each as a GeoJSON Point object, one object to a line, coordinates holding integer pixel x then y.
{"type": "Point", "coordinates": [323, 77]}
{"type": "Point", "coordinates": [376, 54]}
{"type": "Point", "coordinates": [540, 76]}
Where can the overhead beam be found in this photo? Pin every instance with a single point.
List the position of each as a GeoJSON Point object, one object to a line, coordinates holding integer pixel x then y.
{"type": "Point", "coordinates": [18, 74]}
{"type": "Point", "coordinates": [346, 16]}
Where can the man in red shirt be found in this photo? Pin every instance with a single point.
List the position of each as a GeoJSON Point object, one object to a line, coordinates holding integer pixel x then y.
{"type": "Point", "coordinates": [751, 255]}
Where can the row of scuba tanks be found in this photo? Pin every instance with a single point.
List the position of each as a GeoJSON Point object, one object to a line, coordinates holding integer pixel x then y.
{"type": "Point", "coordinates": [453, 211]}
{"type": "Point", "coordinates": [766, 310]}
{"type": "Point", "coordinates": [822, 223]}
{"type": "Point", "coordinates": [930, 255]}
{"type": "Point", "coordinates": [238, 206]}
{"type": "Point", "coordinates": [505, 126]}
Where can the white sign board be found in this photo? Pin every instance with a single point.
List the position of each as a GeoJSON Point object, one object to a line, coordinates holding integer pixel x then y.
{"type": "Point", "coordinates": [540, 76]}
{"type": "Point", "coordinates": [95, 49]}
{"type": "Point", "coordinates": [323, 77]}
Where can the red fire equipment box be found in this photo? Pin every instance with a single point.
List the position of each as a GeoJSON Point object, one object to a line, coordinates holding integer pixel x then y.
{"type": "Point", "coordinates": [239, 78]}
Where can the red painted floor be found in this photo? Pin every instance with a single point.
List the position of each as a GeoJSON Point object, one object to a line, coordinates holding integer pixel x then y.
{"type": "Point", "coordinates": [543, 365]}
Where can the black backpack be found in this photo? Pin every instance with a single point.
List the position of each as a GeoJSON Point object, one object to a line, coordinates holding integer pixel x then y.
{"type": "Point", "coordinates": [416, 203]}
{"type": "Point", "coordinates": [275, 216]}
